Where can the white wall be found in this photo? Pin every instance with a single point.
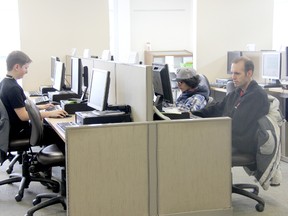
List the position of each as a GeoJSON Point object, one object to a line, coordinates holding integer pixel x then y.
{"type": "Point", "coordinates": [166, 24]}
{"type": "Point", "coordinates": [55, 27]}
{"type": "Point", "coordinates": [223, 25]}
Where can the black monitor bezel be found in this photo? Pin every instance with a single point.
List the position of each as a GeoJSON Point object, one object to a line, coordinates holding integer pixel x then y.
{"type": "Point", "coordinates": [231, 55]}
{"type": "Point", "coordinates": [162, 84]}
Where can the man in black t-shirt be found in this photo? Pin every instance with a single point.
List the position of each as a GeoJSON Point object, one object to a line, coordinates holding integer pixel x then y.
{"type": "Point", "coordinates": [13, 97]}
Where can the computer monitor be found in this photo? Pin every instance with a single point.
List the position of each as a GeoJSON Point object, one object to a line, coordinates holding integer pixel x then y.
{"type": "Point", "coordinates": [59, 79]}
{"type": "Point", "coordinates": [76, 75]}
{"type": "Point", "coordinates": [271, 65]}
{"type": "Point", "coordinates": [99, 89]}
{"type": "Point", "coordinates": [161, 84]}
{"type": "Point", "coordinates": [52, 73]}
{"type": "Point", "coordinates": [231, 55]}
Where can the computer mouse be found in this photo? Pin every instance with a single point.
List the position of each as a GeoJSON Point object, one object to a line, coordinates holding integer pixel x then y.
{"type": "Point", "coordinates": [67, 116]}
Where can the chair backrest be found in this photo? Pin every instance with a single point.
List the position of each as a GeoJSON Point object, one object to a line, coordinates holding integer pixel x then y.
{"type": "Point", "coordinates": [4, 128]}
{"type": "Point", "coordinates": [205, 82]}
{"type": "Point", "coordinates": [36, 123]}
{"type": "Point", "coordinates": [230, 87]}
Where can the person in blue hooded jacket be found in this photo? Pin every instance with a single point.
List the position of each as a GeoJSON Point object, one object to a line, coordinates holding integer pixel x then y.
{"type": "Point", "coordinates": [193, 96]}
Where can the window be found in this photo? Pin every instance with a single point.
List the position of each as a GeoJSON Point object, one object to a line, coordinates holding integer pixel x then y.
{"type": "Point", "coordinates": [10, 36]}
{"type": "Point", "coordinates": [280, 31]}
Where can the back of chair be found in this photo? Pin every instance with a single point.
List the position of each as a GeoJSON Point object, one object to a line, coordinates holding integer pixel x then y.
{"type": "Point", "coordinates": [205, 82]}
{"type": "Point", "coordinates": [36, 123]}
{"type": "Point", "coordinates": [4, 131]}
{"type": "Point", "coordinates": [230, 87]}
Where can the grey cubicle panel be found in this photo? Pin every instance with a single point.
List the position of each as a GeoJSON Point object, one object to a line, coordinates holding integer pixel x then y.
{"type": "Point", "coordinates": [150, 168]}
{"type": "Point", "coordinates": [110, 66]}
{"type": "Point", "coordinates": [134, 87]}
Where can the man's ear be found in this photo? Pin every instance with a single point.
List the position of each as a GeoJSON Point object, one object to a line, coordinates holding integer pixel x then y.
{"type": "Point", "coordinates": [16, 67]}
{"type": "Point", "coordinates": [250, 73]}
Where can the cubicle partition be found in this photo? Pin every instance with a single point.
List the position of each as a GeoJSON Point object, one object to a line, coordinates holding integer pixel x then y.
{"type": "Point", "coordinates": [150, 168]}
{"type": "Point", "coordinates": [134, 87]}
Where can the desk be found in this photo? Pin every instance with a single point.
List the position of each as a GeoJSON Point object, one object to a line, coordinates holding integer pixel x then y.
{"type": "Point", "coordinates": [149, 168]}
{"type": "Point", "coordinates": [53, 121]}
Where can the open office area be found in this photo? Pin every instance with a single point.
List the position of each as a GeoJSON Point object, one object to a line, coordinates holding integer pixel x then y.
{"type": "Point", "coordinates": [126, 152]}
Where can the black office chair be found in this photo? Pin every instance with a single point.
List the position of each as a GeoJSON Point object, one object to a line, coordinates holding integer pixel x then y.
{"type": "Point", "coordinates": [24, 148]}
{"type": "Point", "coordinates": [230, 87]}
{"type": "Point", "coordinates": [47, 157]}
{"type": "Point", "coordinates": [248, 190]}
{"type": "Point", "coordinates": [265, 163]}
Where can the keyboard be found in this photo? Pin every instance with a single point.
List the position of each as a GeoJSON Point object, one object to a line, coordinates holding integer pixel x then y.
{"type": "Point", "coordinates": [218, 85]}
{"type": "Point", "coordinates": [34, 93]}
{"type": "Point", "coordinates": [41, 100]}
{"type": "Point", "coordinates": [107, 112]}
{"type": "Point", "coordinates": [64, 125]}
{"type": "Point", "coordinates": [56, 107]}
{"type": "Point", "coordinates": [270, 85]}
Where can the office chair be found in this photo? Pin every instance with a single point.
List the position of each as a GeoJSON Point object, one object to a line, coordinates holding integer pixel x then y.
{"type": "Point", "coordinates": [24, 147]}
{"type": "Point", "coordinates": [230, 87]}
{"type": "Point", "coordinates": [248, 190]}
{"type": "Point", "coordinates": [205, 82]}
{"type": "Point", "coordinates": [47, 157]}
{"type": "Point", "coordinates": [264, 165]}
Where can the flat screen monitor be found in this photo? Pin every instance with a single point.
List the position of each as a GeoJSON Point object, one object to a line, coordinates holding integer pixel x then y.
{"type": "Point", "coordinates": [52, 73]}
{"type": "Point", "coordinates": [271, 65]}
{"type": "Point", "coordinates": [161, 84]}
{"type": "Point", "coordinates": [76, 75]}
{"type": "Point", "coordinates": [99, 89]}
{"type": "Point", "coordinates": [59, 79]}
{"type": "Point", "coordinates": [231, 55]}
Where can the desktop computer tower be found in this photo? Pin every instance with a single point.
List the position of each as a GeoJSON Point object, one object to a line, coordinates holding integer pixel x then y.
{"type": "Point", "coordinates": [73, 106]}
{"type": "Point", "coordinates": [90, 117]}
{"type": "Point", "coordinates": [62, 95]}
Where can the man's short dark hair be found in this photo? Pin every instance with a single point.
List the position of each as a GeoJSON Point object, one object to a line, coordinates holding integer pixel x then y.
{"type": "Point", "coordinates": [17, 57]}
{"type": "Point", "coordinates": [248, 63]}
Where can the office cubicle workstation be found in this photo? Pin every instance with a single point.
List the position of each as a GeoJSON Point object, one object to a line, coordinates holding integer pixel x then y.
{"type": "Point", "coordinates": [150, 168]}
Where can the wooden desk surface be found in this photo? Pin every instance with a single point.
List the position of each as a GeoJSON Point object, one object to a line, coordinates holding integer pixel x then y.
{"type": "Point", "coordinates": [53, 121]}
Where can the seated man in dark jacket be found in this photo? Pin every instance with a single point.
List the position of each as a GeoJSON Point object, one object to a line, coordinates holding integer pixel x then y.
{"type": "Point", "coordinates": [245, 105]}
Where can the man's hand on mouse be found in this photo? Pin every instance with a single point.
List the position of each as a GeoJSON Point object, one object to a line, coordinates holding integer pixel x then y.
{"type": "Point", "coordinates": [58, 114]}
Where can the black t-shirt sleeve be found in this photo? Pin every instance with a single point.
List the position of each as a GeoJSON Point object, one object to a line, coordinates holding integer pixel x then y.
{"type": "Point", "coordinates": [16, 97]}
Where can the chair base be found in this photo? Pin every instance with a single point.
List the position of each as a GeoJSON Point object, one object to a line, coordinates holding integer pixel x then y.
{"type": "Point", "coordinates": [25, 181]}
{"type": "Point", "coordinates": [243, 189]}
{"type": "Point", "coordinates": [53, 199]}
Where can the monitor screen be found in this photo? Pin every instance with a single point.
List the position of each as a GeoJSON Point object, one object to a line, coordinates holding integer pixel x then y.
{"type": "Point", "coordinates": [99, 89]}
{"type": "Point", "coordinates": [76, 75]}
{"type": "Point", "coordinates": [59, 79]}
{"type": "Point", "coordinates": [271, 65]}
{"type": "Point", "coordinates": [231, 55]}
{"type": "Point", "coordinates": [52, 73]}
{"type": "Point", "coordinates": [162, 84]}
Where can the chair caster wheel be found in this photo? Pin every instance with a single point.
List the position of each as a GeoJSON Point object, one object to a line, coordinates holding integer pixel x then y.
{"type": "Point", "coordinates": [9, 171]}
{"type": "Point", "coordinates": [56, 189]}
{"type": "Point", "coordinates": [36, 201]}
{"type": "Point", "coordinates": [259, 207]}
{"type": "Point", "coordinates": [18, 198]}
